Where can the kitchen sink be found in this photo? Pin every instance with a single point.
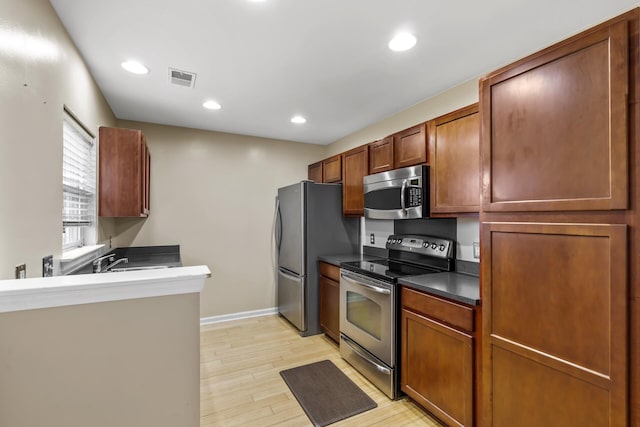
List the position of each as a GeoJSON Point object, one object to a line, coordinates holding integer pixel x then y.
{"type": "Point", "coordinates": [146, 267]}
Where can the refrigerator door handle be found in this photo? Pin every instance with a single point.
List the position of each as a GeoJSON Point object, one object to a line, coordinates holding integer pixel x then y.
{"type": "Point", "coordinates": [278, 227]}
{"type": "Point", "coordinates": [288, 275]}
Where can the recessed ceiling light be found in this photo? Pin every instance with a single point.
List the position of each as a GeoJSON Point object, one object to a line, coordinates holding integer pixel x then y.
{"type": "Point", "coordinates": [212, 105]}
{"type": "Point", "coordinates": [298, 119]}
{"type": "Point", "coordinates": [402, 41]}
{"type": "Point", "coordinates": [134, 67]}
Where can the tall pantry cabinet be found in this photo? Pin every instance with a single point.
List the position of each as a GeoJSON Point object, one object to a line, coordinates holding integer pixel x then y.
{"type": "Point", "coordinates": [559, 233]}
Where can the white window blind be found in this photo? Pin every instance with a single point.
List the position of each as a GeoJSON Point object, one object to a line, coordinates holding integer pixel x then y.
{"type": "Point", "coordinates": [78, 186]}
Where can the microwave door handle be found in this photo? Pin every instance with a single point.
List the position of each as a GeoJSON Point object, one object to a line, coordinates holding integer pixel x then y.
{"type": "Point", "coordinates": [402, 201]}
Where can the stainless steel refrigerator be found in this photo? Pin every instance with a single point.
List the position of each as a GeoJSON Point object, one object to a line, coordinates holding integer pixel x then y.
{"type": "Point", "coordinates": [309, 223]}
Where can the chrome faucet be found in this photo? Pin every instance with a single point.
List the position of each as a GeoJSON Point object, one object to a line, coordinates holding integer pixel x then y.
{"type": "Point", "coordinates": [97, 263]}
{"type": "Point", "coordinates": [116, 262]}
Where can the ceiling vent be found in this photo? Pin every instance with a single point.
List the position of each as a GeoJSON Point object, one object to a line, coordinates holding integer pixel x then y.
{"type": "Point", "coordinates": [182, 78]}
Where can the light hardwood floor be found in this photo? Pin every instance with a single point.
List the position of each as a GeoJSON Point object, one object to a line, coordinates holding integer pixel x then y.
{"type": "Point", "coordinates": [240, 383]}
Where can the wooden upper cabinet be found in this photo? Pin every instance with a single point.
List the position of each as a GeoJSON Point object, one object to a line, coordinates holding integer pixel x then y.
{"type": "Point", "coordinates": [355, 166]}
{"type": "Point", "coordinates": [124, 173]}
{"type": "Point", "coordinates": [454, 157]}
{"type": "Point", "coordinates": [314, 172]}
{"type": "Point", "coordinates": [410, 147]}
{"type": "Point", "coordinates": [332, 169]}
{"type": "Point", "coordinates": [146, 177]}
{"type": "Point", "coordinates": [554, 126]}
{"type": "Point", "coordinates": [381, 155]}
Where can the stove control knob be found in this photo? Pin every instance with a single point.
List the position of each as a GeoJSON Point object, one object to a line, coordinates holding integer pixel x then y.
{"type": "Point", "coordinates": [425, 245]}
{"type": "Point", "coordinates": [441, 247]}
{"type": "Point", "coordinates": [433, 246]}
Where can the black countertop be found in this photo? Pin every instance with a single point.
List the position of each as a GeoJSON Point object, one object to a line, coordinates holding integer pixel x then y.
{"type": "Point", "coordinates": [340, 258]}
{"type": "Point", "coordinates": [454, 286]}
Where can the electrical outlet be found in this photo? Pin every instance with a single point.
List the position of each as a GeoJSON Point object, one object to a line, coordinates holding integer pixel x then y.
{"type": "Point", "coordinates": [21, 271]}
{"type": "Point", "coordinates": [476, 250]}
{"type": "Point", "coordinates": [47, 266]}
{"type": "Point", "coordinates": [372, 238]}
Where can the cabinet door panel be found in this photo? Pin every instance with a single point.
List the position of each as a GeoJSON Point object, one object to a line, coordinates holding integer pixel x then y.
{"type": "Point", "coordinates": [330, 308]}
{"type": "Point", "coordinates": [437, 368]}
{"type": "Point", "coordinates": [530, 394]}
{"type": "Point", "coordinates": [454, 156]}
{"type": "Point", "coordinates": [332, 169]}
{"type": "Point", "coordinates": [554, 132]}
{"type": "Point", "coordinates": [314, 172]}
{"type": "Point", "coordinates": [355, 166]}
{"type": "Point", "coordinates": [381, 155]}
{"type": "Point", "coordinates": [547, 306]}
{"type": "Point", "coordinates": [410, 147]}
{"type": "Point", "coordinates": [122, 173]}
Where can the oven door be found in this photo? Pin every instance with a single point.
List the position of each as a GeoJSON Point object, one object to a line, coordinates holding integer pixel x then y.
{"type": "Point", "coordinates": [367, 313]}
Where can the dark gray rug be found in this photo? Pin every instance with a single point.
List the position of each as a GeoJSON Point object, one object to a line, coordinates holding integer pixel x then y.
{"type": "Point", "coordinates": [325, 393]}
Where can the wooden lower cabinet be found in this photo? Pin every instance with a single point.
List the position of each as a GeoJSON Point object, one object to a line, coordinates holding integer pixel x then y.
{"type": "Point", "coordinates": [330, 300]}
{"type": "Point", "coordinates": [437, 359]}
{"type": "Point", "coordinates": [555, 330]}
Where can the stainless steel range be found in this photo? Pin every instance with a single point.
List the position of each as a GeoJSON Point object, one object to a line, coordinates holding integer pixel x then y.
{"type": "Point", "coordinates": [369, 304]}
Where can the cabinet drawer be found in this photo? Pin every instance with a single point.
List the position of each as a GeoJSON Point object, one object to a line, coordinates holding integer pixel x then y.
{"type": "Point", "coordinates": [456, 315]}
{"type": "Point", "coordinates": [330, 271]}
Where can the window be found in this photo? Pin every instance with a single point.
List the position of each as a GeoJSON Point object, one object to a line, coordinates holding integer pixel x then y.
{"type": "Point", "coordinates": [78, 185]}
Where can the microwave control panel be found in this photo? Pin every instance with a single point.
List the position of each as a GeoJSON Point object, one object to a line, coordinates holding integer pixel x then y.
{"type": "Point", "coordinates": [415, 197]}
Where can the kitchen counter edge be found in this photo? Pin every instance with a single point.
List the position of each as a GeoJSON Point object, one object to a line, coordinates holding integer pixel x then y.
{"type": "Point", "coordinates": [58, 291]}
{"type": "Point", "coordinates": [459, 287]}
{"type": "Point", "coordinates": [340, 258]}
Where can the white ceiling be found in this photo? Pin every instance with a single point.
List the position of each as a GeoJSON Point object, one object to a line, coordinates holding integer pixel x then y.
{"type": "Point", "coordinates": [324, 59]}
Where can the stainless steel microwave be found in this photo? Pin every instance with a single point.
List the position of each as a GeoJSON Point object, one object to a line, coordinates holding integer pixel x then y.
{"type": "Point", "coordinates": [397, 194]}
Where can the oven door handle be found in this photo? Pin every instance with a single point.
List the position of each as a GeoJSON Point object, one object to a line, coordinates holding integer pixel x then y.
{"type": "Point", "coordinates": [365, 356]}
{"type": "Point", "coordinates": [366, 285]}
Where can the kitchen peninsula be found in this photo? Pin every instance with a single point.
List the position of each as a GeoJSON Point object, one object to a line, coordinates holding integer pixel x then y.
{"type": "Point", "coordinates": [102, 349]}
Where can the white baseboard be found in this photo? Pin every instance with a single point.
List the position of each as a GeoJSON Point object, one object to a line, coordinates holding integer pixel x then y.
{"type": "Point", "coordinates": [236, 316]}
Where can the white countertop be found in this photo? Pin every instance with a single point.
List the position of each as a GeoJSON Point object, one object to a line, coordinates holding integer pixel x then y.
{"type": "Point", "coordinates": [45, 292]}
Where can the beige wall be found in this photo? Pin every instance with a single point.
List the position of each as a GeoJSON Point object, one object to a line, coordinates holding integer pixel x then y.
{"type": "Point", "coordinates": [214, 194]}
{"type": "Point", "coordinates": [450, 100]}
{"type": "Point", "coordinates": [121, 363]}
{"type": "Point", "coordinates": [40, 71]}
